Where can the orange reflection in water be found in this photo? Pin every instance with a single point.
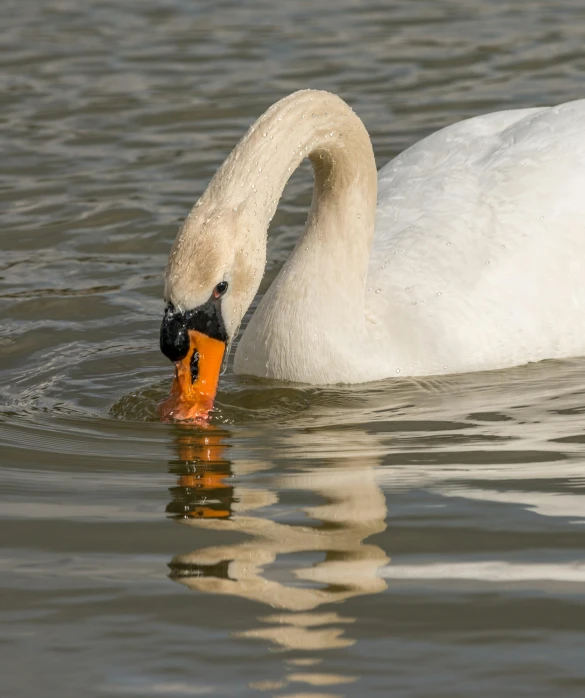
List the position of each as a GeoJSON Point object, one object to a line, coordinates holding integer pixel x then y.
{"type": "Point", "coordinates": [329, 559]}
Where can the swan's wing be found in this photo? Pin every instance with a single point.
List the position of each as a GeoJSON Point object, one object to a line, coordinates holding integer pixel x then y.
{"type": "Point", "coordinates": [484, 222]}
{"type": "Point", "coordinates": [430, 194]}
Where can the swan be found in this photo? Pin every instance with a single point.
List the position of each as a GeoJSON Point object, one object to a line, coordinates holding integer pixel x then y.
{"type": "Point", "coordinates": [463, 253]}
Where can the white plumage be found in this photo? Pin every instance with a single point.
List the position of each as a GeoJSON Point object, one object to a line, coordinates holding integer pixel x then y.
{"type": "Point", "coordinates": [479, 248]}
{"type": "Point", "coordinates": [471, 260]}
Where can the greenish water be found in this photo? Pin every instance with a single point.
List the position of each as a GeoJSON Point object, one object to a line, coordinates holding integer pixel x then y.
{"type": "Point", "coordinates": [412, 538]}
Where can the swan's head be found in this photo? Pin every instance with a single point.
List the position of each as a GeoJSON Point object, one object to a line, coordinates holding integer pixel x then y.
{"type": "Point", "coordinates": [212, 276]}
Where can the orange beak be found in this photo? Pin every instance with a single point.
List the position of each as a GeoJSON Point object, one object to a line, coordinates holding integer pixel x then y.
{"type": "Point", "coordinates": [195, 384]}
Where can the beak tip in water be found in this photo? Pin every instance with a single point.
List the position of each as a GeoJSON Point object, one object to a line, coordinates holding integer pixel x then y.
{"type": "Point", "coordinates": [173, 409]}
{"type": "Point", "coordinates": [193, 390]}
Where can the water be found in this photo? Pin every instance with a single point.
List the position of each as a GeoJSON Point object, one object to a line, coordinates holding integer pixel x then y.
{"type": "Point", "coordinates": [409, 538]}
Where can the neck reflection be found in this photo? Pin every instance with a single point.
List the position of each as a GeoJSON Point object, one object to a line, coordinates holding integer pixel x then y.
{"type": "Point", "coordinates": [292, 563]}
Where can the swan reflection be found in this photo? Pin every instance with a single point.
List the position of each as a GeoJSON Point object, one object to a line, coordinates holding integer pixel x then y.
{"type": "Point", "coordinates": [291, 563]}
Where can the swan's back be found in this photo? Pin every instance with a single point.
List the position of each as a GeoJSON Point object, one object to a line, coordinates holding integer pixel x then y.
{"type": "Point", "coordinates": [478, 255]}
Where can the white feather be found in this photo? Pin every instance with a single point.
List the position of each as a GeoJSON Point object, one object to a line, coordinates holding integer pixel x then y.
{"type": "Point", "coordinates": [472, 259]}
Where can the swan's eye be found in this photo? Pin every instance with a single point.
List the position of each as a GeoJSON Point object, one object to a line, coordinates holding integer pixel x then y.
{"type": "Point", "coordinates": [220, 289]}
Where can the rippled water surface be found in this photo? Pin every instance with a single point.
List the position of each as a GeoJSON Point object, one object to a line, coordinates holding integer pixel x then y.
{"type": "Point", "coordinates": [410, 538]}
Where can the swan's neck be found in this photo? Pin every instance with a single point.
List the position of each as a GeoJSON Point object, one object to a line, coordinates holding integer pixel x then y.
{"type": "Point", "coordinates": [320, 293]}
{"type": "Point", "coordinates": [320, 126]}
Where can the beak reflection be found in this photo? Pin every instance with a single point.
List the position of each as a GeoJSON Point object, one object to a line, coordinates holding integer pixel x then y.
{"type": "Point", "coordinates": [290, 566]}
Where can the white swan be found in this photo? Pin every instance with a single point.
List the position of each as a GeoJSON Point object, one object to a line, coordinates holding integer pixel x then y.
{"type": "Point", "coordinates": [472, 258]}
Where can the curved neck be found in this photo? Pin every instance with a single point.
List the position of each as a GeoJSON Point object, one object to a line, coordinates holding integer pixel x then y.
{"type": "Point", "coordinates": [316, 305]}
{"type": "Point", "coordinates": [334, 250]}
{"type": "Point", "coordinates": [309, 123]}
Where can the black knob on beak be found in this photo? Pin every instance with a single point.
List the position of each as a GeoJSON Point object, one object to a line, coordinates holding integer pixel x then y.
{"type": "Point", "coordinates": [174, 338]}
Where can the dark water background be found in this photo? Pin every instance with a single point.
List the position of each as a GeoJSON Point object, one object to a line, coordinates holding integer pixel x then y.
{"type": "Point", "coordinates": [417, 539]}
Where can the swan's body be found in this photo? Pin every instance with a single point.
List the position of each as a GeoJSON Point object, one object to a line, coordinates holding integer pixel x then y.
{"type": "Point", "coordinates": [479, 251]}
{"type": "Point", "coordinates": [472, 259]}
